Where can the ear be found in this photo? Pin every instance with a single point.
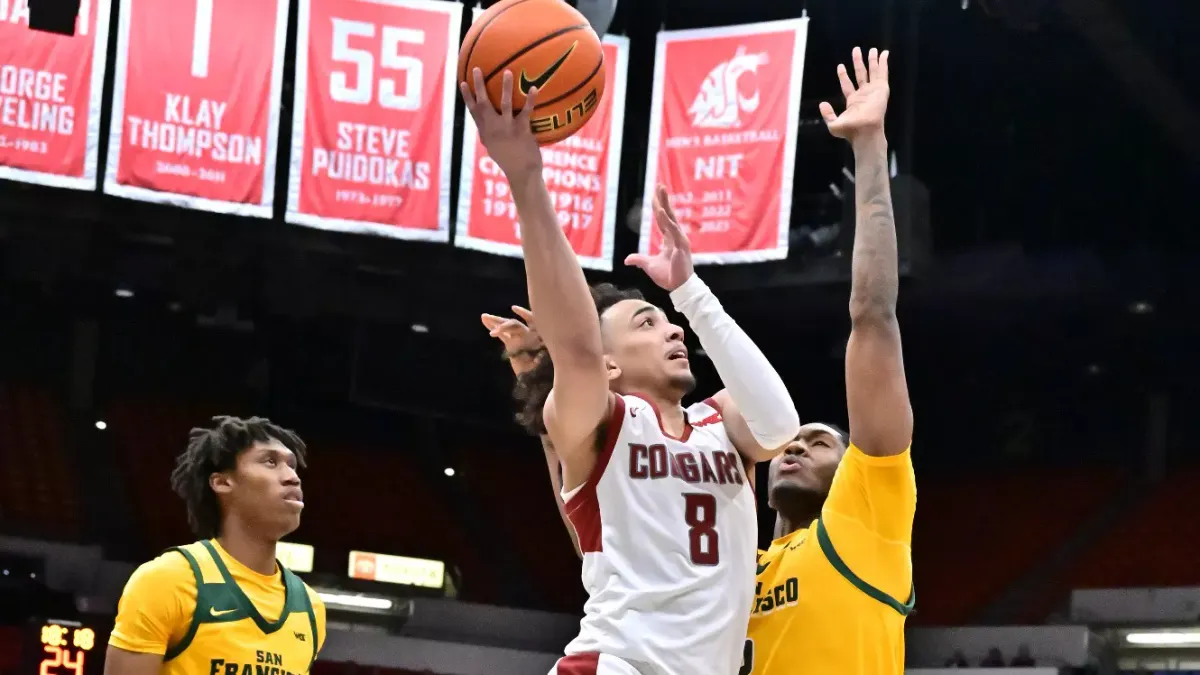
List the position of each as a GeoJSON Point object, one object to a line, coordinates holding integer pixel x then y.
{"type": "Point", "coordinates": [614, 371]}
{"type": "Point", "coordinates": [221, 483]}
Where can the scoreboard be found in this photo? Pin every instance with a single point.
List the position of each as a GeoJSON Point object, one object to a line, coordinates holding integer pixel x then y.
{"type": "Point", "coordinates": [62, 647]}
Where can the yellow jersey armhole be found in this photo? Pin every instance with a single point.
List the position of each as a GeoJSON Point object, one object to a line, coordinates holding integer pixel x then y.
{"type": "Point", "coordinates": [313, 600]}
{"type": "Point", "coordinates": [831, 554]}
{"type": "Point", "coordinates": [194, 623]}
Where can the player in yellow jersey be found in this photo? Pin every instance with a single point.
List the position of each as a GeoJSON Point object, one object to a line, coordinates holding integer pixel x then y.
{"type": "Point", "coordinates": [224, 605]}
{"type": "Point", "coordinates": [835, 586]}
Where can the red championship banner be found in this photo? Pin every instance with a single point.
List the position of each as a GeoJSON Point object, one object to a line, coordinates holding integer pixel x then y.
{"type": "Point", "coordinates": [196, 103]}
{"type": "Point", "coordinates": [723, 124]}
{"type": "Point", "coordinates": [373, 117]}
{"type": "Point", "coordinates": [581, 173]}
{"type": "Point", "coordinates": [50, 89]}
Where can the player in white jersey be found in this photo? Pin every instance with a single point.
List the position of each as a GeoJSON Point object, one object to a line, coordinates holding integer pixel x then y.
{"type": "Point", "coordinates": [657, 494]}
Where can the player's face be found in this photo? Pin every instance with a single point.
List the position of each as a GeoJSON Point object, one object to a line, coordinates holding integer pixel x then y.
{"type": "Point", "coordinates": [265, 490]}
{"type": "Point", "coordinates": [646, 349]}
{"type": "Point", "coordinates": [807, 464]}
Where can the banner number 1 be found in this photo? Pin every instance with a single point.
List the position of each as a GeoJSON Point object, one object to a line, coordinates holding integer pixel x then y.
{"type": "Point", "coordinates": [202, 38]}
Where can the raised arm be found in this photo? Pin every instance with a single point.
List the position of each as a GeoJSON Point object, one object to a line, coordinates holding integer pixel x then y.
{"type": "Point", "coordinates": [881, 420]}
{"type": "Point", "coordinates": [558, 292]}
{"type": "Point", "coordinates": [757, 410]}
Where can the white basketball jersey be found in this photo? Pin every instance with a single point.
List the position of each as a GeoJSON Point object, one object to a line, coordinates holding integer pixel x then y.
{"type": "Point", "coordinates": [669, 533]}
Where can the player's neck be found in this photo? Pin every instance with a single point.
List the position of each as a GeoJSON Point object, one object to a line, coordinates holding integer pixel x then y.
{"type": "Point", "coordinates": [671, 414]}
{"type": "Point", "coordinates": [253, 551]}
{"type": "Point", "coordinates": [785, 526]}
{"type": "Point", "coordinates": [796, 510]}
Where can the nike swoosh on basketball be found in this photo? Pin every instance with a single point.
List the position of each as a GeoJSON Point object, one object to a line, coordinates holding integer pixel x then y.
{"type": "Point", "coordinates": [223, 612]}
{"type": "Point", "coordinates": [541, 80]}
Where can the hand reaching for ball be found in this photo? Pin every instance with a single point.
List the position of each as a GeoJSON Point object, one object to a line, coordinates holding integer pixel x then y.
{"type": "Point", "coordinates": [508, 138]}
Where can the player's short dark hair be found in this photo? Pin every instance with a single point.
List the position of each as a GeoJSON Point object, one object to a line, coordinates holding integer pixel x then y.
{"type": "Point", "coordinates": [533, 386]}
{"type": "Point", "coordinates": [217, 449]}
{"type": "Point", "coordinates": [842, 434]}
{"type": "Point", "coordinates": [606, 295]}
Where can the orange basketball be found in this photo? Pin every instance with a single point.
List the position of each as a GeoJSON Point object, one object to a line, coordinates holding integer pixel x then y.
{"type": "Point", "coordinates": [546, 44]}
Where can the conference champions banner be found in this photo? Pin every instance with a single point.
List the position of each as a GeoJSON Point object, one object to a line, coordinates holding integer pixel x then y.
{"type": "Point", "coordinates": [50, 90]}
{"type": "Point", "coordinates": [581, 172]}
{"type": "Point", "coordinates": [374, 116]}
{"type": "Point", "coordinates": [723, 122]}
{"type": "Point", "coordinates": [196, 104]}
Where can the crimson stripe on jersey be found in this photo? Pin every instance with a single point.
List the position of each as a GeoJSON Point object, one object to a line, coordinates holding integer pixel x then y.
{"type": "Point", "coordinates": [578, 664]}
{"type": "Point", "coordinates": [583, 509]}
{"type": "Point", "coordinates": [712, 403]}
{"type": "Point", "coordinates": [687, 425]}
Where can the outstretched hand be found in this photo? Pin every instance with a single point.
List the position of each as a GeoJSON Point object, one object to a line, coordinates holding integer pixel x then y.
{"type": "Point", "coordinates": [866, 101]}
{"type": "Point", "coordinates": [672, 265]}
{"type": "Point", "coordinates": [519, 336]}
{"type": "Point", "coordinates": [508, 138]}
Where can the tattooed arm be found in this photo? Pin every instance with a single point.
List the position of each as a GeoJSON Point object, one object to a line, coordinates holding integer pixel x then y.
{"type": "Point", "coordinates": [877, 401]}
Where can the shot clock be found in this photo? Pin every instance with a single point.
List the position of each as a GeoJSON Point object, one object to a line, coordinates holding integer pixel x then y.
{"type": "Point", "coordinates": [62, 647]}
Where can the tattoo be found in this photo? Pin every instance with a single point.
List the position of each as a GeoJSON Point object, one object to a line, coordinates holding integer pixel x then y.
{"type": "Point", "coordinates": [875, 269]}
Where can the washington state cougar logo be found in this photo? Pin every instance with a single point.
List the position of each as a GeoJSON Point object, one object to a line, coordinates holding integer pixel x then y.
{"type": "Point", "coordinates": [719, 104]}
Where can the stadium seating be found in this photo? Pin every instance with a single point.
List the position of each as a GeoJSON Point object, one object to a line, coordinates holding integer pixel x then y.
{"type": "Point", "coordinates": [38, 492]}
{"type": "Point", "coordinates": [10, 649]}
{"type": "Point", "coordinates": [357, 498]}
{"type": "Point", "coordinates": [512, 483]}
{"type": "Point", "coordinates": [1151, 545]}
{"type": "Point", "coordinates": [378, 499]}
{"type": "Point", "coordinates": [149, 434]}
{"type": "Point", "coordinates": [976, 534]}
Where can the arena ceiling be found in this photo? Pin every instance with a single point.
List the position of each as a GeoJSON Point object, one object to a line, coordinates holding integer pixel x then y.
{"type": "Point", "coordinates": [1052, 138]}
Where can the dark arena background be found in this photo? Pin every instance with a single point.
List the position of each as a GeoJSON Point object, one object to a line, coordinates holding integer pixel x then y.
{"type": "Point", "coordinates": [1046, 169]}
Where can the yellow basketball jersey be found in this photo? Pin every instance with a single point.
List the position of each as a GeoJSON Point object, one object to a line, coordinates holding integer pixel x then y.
{"type": "Point", "coordinates": [833, 597]}
{"type": "Point", "coordinates": [218, 629]}
{"type": "Point", "coordinates": [228, 634]}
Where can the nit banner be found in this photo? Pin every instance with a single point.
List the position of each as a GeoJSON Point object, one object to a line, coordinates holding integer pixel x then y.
{"type": "Point", "coordinates": [723, 122]}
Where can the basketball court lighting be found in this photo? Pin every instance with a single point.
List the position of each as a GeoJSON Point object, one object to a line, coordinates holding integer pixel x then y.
{"type": "Point", "coordinates": [1171, 638]}
{"type": "Point", "coordinates": [355, 601]}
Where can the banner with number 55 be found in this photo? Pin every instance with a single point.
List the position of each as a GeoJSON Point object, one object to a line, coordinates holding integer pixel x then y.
{"type": "Point", "coordinates": [196, 103]}
{"type": "Point", "coordinates": [373, 117]}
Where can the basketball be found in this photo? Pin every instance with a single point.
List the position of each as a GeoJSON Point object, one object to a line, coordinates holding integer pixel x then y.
{"type": "Point", "coordinates": [546, 44]}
